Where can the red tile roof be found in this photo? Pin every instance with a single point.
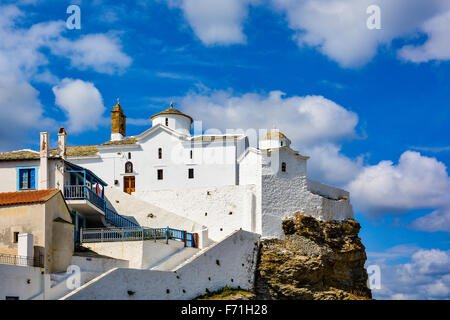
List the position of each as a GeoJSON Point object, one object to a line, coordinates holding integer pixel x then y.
{"type": "Point", "coordinates": [24, 197]}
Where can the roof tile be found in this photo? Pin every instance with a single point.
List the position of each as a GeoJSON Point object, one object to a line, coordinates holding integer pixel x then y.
{"type": "Point", "coordinates": [24, 197]}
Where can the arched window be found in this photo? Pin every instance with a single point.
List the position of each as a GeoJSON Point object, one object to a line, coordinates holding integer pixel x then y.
{"type": "Point", "coordinates": [283, 167]}
{"type": "Point", "coordinates": [129, 155]}
{"type": "Point", "coordinates": [167, 122]}
{"type": "Point", "coordinates": [128, 167]}
{"type": "Point", "coordinates": [159, 153]}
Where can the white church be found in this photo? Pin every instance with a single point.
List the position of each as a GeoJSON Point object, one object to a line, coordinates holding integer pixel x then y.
{"type": "Point", "coordinates": [165, 214]}
{"type": "Point", "coordinates": [218, 181]}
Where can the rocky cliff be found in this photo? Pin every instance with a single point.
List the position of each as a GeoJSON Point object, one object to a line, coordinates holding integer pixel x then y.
{"type": "Point", "coordinates": [318, 260]}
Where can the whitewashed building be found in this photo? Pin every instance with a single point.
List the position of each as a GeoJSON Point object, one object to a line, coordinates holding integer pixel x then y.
{"type": "Point", "coordinates": [218, 181]}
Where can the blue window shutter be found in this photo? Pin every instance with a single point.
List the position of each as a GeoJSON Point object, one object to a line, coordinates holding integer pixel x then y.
{"type": "Point", "coordinates": [32, 179]}
{"type": "Point", "coordinates": [23, 173]}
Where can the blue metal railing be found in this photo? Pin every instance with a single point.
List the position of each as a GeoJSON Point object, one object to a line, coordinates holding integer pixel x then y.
{"type": "Point", "coordinates": [80, 192]}
{"type": "Point", "coordinates": [118, 220]}
{"type": "Point", "coordinates": [136, 233]}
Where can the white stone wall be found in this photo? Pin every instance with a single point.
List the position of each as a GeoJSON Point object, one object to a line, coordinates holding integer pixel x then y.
{"type": "Point", "coordinates": [8, 173]}
{"type": "Point", "coordinates": [13, 280]}
{"type": "Point", "coordinates": [139, 254]}
{"type": "Point", "coordinates": [98, 264]}
{"type": "Point", "coordinates": [222, 210]}
{"type": "Point", "coordinates": [230, 263]}
{"type": "Point", "coordinates": [214, 162]}
{"type": "Point", "coordinates": [326, 190]}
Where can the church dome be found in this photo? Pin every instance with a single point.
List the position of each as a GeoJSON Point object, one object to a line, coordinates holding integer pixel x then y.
{"type": "Point", "coordinates": [275, 135]}
{"type": "Point", "coordinates": [274, 139]}
{"type": "Point", "coordinates": [171, 111]}
{"type": "Point", "coordinates": [173, 119]}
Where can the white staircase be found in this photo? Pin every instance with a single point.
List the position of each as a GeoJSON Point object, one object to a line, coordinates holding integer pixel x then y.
{"type": "Point", "coordinates": [175, 259]}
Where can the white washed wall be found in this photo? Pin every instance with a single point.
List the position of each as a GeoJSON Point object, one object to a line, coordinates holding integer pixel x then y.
{"type": "Point", "coordinates": [139, 254]}
{"type": "Point", "coordinates": [210, 207]}
{"type": "Point", "coordinates": [230, 263]}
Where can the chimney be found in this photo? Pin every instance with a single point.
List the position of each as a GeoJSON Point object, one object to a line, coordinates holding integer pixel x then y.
{"type": "Point", "coordinates": [43, 167]}
{"type": "Point", "coordinates": [62, 142]}
{"type": "Point", "coordinates": [118, 123]}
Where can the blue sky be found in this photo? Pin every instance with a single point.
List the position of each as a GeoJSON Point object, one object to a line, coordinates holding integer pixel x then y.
{"type": "Point", "coordinates": [371, 107]}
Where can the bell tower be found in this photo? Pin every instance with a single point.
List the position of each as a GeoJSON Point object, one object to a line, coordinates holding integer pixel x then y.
{"type": "Point", "coordinates": [118, 122]}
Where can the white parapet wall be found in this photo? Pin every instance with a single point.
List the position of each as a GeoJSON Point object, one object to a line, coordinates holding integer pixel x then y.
{"type": "Point", "coordinates": [231, 262]}
{"type": "Point", "coordinates": [140, 254]}
{"type": "Point", "coordinates": [326, 190]}
{"type": "Point", "coordinates": [283, 196]}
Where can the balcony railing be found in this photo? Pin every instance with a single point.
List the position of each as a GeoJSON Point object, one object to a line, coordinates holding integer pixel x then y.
{"type": "Point", "coordinates": [137, 233]}
{"type": "Point", "coordinates": [22, 260]}
{"type": "Point", "coordinates": [80, 192]}
{"type": "Point", "coordinates": [118, 220]}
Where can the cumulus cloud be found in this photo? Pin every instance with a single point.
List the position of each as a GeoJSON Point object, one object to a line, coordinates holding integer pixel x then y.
{"type": "Point", "coordinates": [416, 182]}
{"type": "Point", "coordinates": [20, 111]}
{"type": "Point", "coordinates": [425, 276]}
{"type": "Point", "coordinates": [306, 120]}
{"type": "Point", "coordinates": [438, 220]}
{"type": "Point", "coordinates": [101, 52]}
{"type": "Point", "coordinates": [436, 47]}
{"type": "Point", "coordinates": [24, 60]}
{"type": "Point", "coordinates": [330, 165]}
{"type": "Point", "coordinates": [215, 21]}
{"type": "Point", "coordinates": [338, 28]}
{"type": "Point", "coordinates": [81, 102]}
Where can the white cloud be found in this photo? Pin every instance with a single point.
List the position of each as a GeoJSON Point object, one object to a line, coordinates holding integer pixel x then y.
{"type": "Point", "coordinates": [438, 220]}
{"type": "Point", "coordinates": [338, 28]}
{"type": "Point", "coordinates": [436, 47]}
{"type": "Point", "coordinates": [101, 52]}
{"type": "Point", "coordinates": [20, 111]}
{"type": "Point", "coordinates": [416, 182]}
{"type": "Point", "coordinates": [305, 120]}
{"type": "Point", "coordinates": [328, 164]}
{"type": "Point", "coordinates": [81, 102]}
{"type": "Point", "coordinates": [215, 21]}
{"type": "Point", "coordinates": [425, 276]}
{"type": "Point", "coordinates": [23, 61]}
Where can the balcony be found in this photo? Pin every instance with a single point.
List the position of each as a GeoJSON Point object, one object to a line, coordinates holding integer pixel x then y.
{"type": "Point", "coordinates": [84, 193]}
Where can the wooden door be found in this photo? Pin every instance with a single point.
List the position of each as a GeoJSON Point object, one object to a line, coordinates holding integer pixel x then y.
{"type": "Point", "coordinates": [128, 184]}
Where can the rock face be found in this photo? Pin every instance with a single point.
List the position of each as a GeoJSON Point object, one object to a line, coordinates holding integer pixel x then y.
{"type": "Point", "coordinates": [318, 260]}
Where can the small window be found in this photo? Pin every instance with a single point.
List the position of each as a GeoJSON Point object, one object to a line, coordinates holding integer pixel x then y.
{"type": "Point", "coordinates": [128, 167]}
{"type": "Point", "coordinates": [283, 167]}
{"type": "Point", "coordinates": [160, 174]}
{"type": "Point", "coordinates": [167, 122]}
{"type": "Point", "coordinates": [27, 179]}
{"type": "Point", "coordinates": [129, 155]}
{"type": "Point", "coordinates": [281, 143]}
{"type": "Point", "coordinates": [191, 173]}
{"type": "Point", "coordinates": [16, 237]}
{"type": "Point", "coordinates": [159, 153]}
{"type": "Point", "coordinates": [191, 154]}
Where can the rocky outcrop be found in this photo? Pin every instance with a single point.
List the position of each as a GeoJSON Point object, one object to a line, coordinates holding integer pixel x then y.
{"type": "Point", "coordinates": [318, 260]}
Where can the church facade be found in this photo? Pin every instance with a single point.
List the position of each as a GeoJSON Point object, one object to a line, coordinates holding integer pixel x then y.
{"type": "Point", "coordinates": [219, 181]}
